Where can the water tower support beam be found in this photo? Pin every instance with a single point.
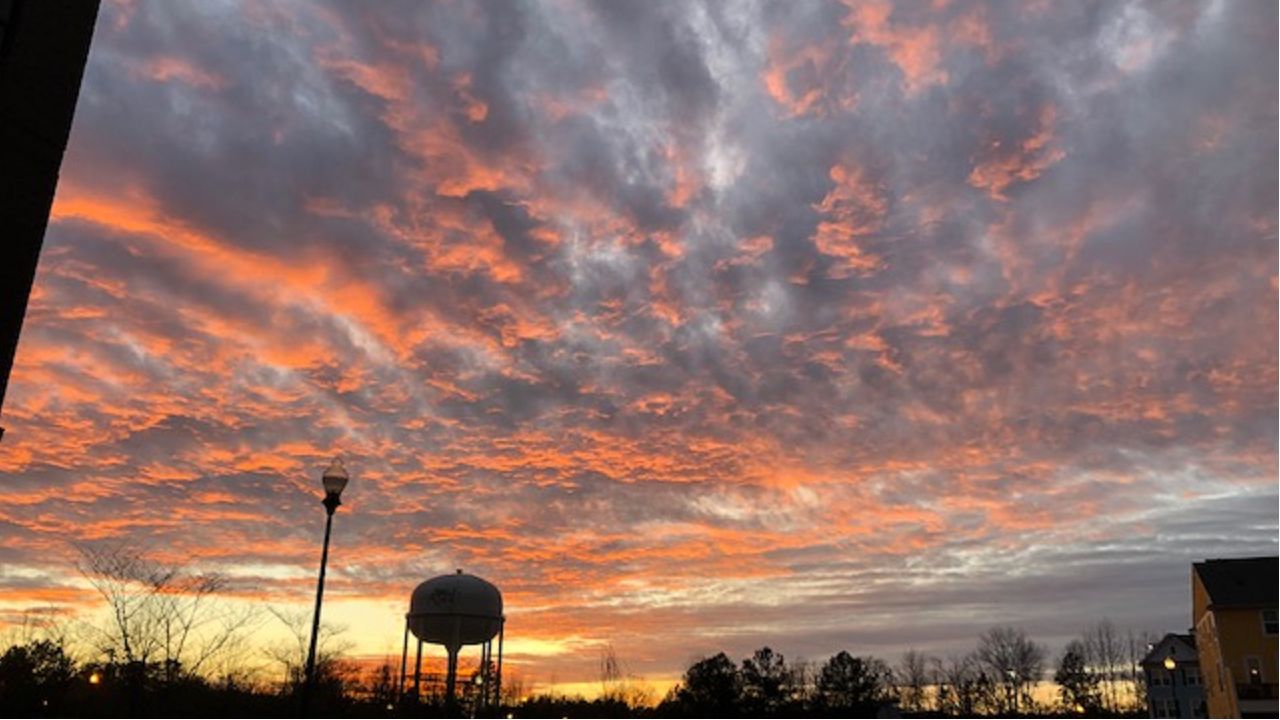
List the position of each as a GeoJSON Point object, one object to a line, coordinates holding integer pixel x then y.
{"type": "Point", "coordinates": [482, 676]}
{"type": "Point", "coordinates": [450, 698]}
{"type": "Point", "coordinates": [417, 674]}
{"type": "Point", "coordinates": [404, 661]}
{"type": "Point", "coordinates": [497, 682]}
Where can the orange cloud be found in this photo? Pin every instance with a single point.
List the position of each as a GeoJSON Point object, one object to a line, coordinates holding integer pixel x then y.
{"type": "Point", "coordinates": [853, 208]}
{"type": "Point", "coordinates": [166, 68]}
{"type": "Point", "coordinates": [1003, 165]}
{"type": "Point", "coordinates": [916, 50]}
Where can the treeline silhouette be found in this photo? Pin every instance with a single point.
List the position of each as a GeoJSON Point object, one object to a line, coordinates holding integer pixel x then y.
{"type": "Point", "coordinates": [39, 678]}
{"type": "Point", "coordinates": [169, 646]}
{"type": "Point", "coordinates": [1098, 675]}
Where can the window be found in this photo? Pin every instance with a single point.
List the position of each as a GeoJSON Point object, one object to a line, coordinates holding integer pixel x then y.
{"type": "Point", "coordinates": [1167, 708]}
{"type": "Point", "coordinates": [1269, 622]}
{"type": "Point", "coordinates": [1193, 675]}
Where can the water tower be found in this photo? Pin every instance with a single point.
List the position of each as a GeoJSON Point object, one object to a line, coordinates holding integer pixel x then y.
{"type": "Point", "coordinates": [453, 611]}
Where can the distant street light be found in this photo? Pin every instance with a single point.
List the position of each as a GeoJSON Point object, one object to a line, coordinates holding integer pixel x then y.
{"type": "Point", "coordinates": [94, 678]}
{"type": "Point", "coordinates": [1012, 687]}
{"type": "Point", "coordinates": [1170, 663]}
{"type": "Point", "coordinates": [335, 481]}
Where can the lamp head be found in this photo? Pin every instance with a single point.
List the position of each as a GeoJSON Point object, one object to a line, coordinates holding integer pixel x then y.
{"type": "Point", "coordinates": [1170, 663]}
{"type": "Point", "coordinates": [335, 481]}
{"type": "Point", "coordinates": [335, 478]}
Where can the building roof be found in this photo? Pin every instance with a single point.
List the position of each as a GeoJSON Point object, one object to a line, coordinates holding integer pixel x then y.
{"type": "Point", "coordinates": [1181, 647]}
{"type": "Point", "coordinates": [1239, 582]}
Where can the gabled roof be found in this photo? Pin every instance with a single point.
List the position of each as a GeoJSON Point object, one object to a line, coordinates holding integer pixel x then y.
{"type": "Point", "coordinates": [1239, 582]}
{"type": "Point", "coordinates": [1181, 647]}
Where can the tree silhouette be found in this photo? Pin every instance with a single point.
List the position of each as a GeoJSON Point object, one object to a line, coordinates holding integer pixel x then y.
{"type": "Point", "coordinates": [381, 685]}
{"type": "Point", "coordinates": [619, 686]}
{"type": "Point", "coordinates": [768, 685]}
{"type": "Point", "coordinates": [34, 678]}
{"type": "Point", "coordinates": [1078, 686]}
{"type": "Point", "coordinates": [710, 687]}
{"type": "Point", "coordinates": [1104, 654]}
{"type": "Point", "coordinates": [852, 685]}
{"type": "Point", "coordinates": [166, 621]}
{"type": "Point", "coordinates": [1013, 664]}
{"type": "Point", "coordinates": [912, 680]}
{"type": "Point", "coordinates": [962, 689]}
{"type": "Point", "coordinates": [331, 671]}
{"type": "Point", "coordinates": [1114, 659]}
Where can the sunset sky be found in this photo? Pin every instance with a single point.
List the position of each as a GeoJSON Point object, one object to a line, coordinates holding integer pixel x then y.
{"type": "Point", "coordinates": [693, 327]}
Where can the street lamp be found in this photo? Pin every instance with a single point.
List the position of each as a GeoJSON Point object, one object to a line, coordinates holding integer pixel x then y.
{"type": "Point", "coordinates": [1012, 688]}
{"type": "Point", "coordinates": [1170, 663]}
{"type": "Point", "coordinates": [334, 480]}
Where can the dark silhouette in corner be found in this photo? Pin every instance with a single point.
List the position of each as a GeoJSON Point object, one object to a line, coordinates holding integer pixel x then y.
{"type": "Point", "coordinates": [43, 49]}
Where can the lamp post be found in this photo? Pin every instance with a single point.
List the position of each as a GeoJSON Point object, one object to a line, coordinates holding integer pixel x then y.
{"type": "Point", "coordinates": [1171, 664]}
{"type": "Point", "coordinates": [1012, 687]}
{"type": "Point", "coordinates": [334, 480]}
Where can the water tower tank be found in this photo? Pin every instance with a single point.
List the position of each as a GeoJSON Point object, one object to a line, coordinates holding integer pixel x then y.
{"type": "Point", "coordinates": [455, 610]}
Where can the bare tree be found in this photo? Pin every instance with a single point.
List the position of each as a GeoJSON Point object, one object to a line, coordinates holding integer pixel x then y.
{"type": "Point", "coordinates": [161, 615]}
{"type": "Point", "coordinates": [292, 652]}
{"type": "Point", "coordinates": [806, 674]}
{"type": "Point", "coordinates": [1013, 663]}
{"type": "Point", "coordinates": [1105, 658]}
{"type": "Point", "coordinates": [41, 623]}
{"type": "Point", "coordinates": [513, 688]}
{"type": "Point", "coordinates": [618, 685]}
{"type": "Point", "coordinates": [912, 679]}
{"type": "Point", "coordinates": [380, 685]}
{"type": "Point", "coordinates": [960, 687]}
{"type": "Point", "coordinates": [612, 680]}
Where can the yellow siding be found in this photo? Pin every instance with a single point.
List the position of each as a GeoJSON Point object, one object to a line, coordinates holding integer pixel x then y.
{"type": "Point", "coordinates": [1224, 639]}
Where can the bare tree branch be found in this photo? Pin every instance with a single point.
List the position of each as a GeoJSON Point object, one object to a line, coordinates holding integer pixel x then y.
{"type": "Point", "coordinates": [160, 614]}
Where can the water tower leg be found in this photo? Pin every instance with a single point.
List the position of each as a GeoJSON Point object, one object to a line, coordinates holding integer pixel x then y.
{"type": "Point", "coordinates": [497, 681]}
{"type": "Point", "coordinates": [451, 679]}
{"type": "Point", "coordinates": [417, 675]}
{"type": "Point", "coordinates": [404, 661]}
{"type": "Point", "coordinates": [479, 682]}
{"type": "Point", "coordinates": [486, 652]}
